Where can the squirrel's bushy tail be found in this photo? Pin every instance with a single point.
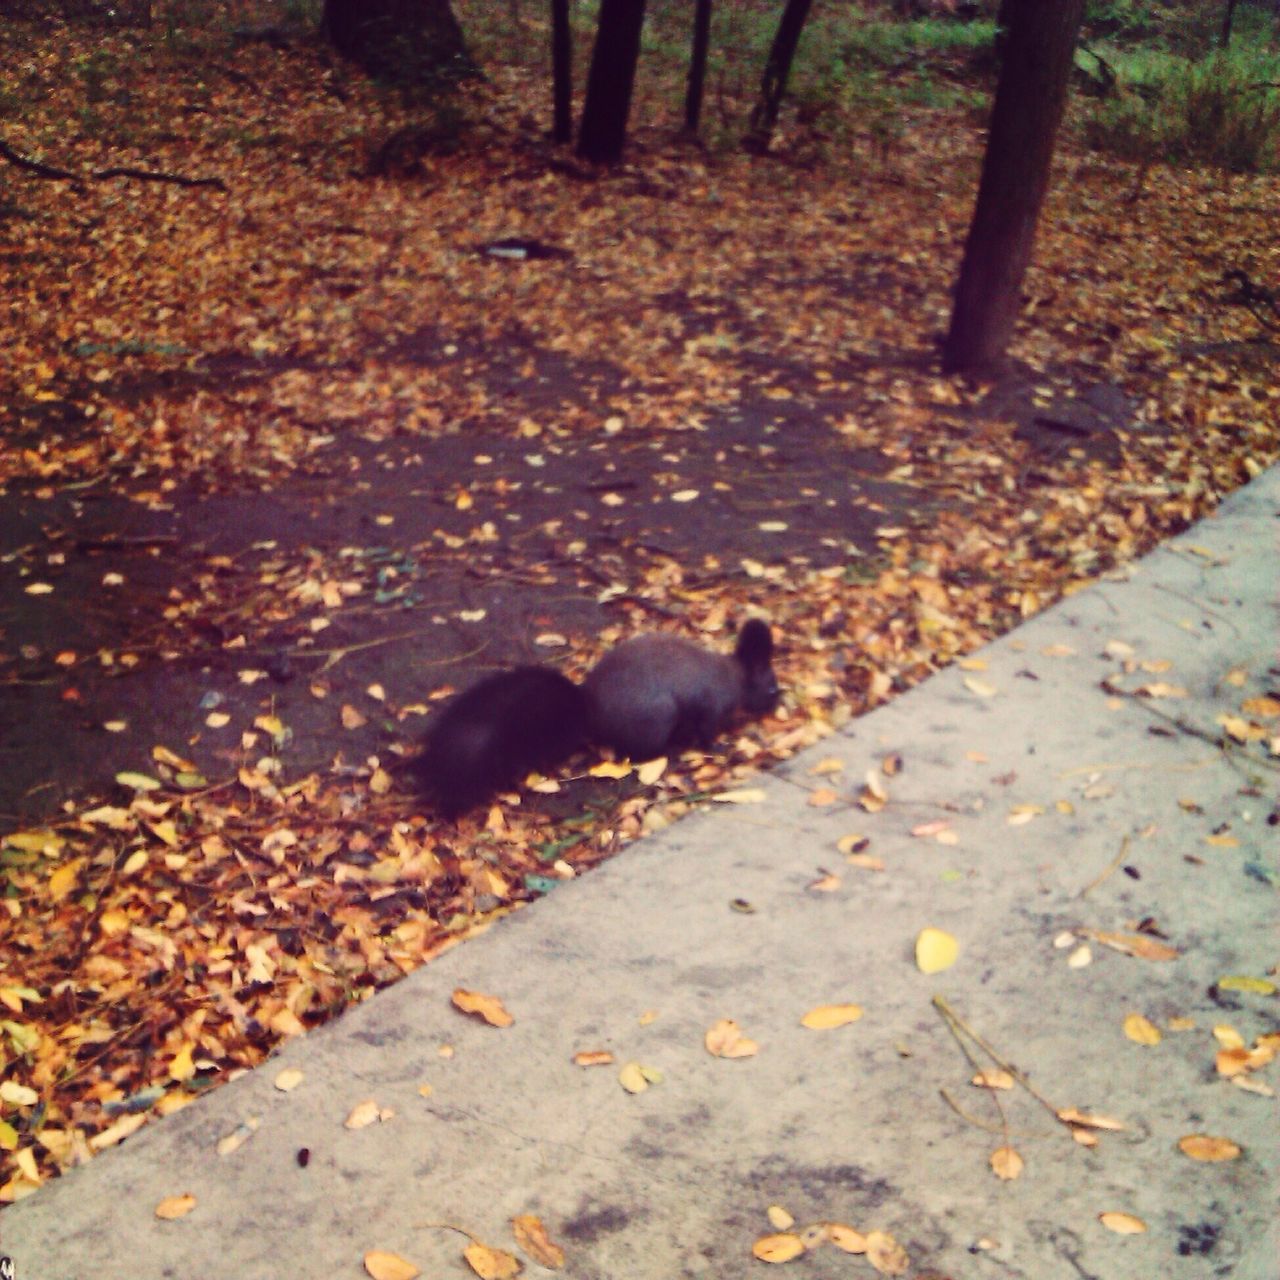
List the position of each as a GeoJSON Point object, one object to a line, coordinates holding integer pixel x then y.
{"type": "Point", "coordinates": [492, 734]}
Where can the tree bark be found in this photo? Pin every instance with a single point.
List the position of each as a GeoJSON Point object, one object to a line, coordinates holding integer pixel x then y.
{"type": "Point", "coordinates": [610, 81]}
{"type": "Point", "coordinates": [697, 65]}
{"type": "Point", "coordinates": [1228, 17]}
{"type": "Point", "coordinates": [399, 40]}
{"type": "Point", "coordinates": [1029, 100]}
{"type": "Point", "coordinates": [777, 68]}
{"type": "Point", "coordinates": [561, 71]}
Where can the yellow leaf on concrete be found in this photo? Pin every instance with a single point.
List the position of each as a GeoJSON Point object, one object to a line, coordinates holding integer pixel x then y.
{"type": "Point", "coordinates": [885, 1254]}
{"type": "Point", "coordinates": [491, 1264]}
{"type": "Point", "coordinates": [1141, 1030]}
{"type": "Point", "coordinates": [389, 1266]}
{"type": "Point", "coordinates": [725, 1040]}
{"type": "Point", "coordinates": [593, 1058]}
{"type": "Point", "coordinates": [363, 1114]}
{"type": "Point", "coordinates": [632, 1078]}
{"type": "Point", "coordinates": [846, 1238]}
{"type": "Point", "coordinates": [490, 1008]}
{"type": "Point", "coordinates": [1255, 986]}
{"type": "Point", "coordinates": [532, 1237]}
{"type": "Point", "coordinates": [826, 1016]}
{"type": "Point", "coordinates": [172, 1207]}
{"type": "Point", "coordinates": [288, 1079]}
{"type": "Point", "coordinates": [1071, 1115]}
{"type": "Point", "coordinates": [1124, 1224]}
{"type": "Point", "coordinates": [1006, 1163]}
{"type": "Point", "coordinates": [935, 950]}
{"type": "Point", "coordinates": [1203, 1146]}
{"type": "Point", "coordinates": [778, 1248]}
{"type": "Point", "coordinates": [780, 1218]}
{"type": "Point", "coordinates": [993, 1078]}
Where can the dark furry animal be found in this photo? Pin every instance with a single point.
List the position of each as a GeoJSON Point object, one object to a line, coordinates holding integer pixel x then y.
{"type": "Point", "coordinates": [652, 694]}
{"type": "Point", "coordinates": [657, 693]}
{"type": "Point", "coordinates": [492, 734]}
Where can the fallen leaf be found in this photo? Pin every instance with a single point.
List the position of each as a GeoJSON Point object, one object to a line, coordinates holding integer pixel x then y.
{"type": "Point", "coordinates": [846, 1238]}
{"type": "Point", "coordinates": [935, 950]}
{"type": "Point", "coordinates": [1070, 1115]}
{"type": "Point", "coordinates": [1202, 1146]}
{"type": "Point", "coordinates": [491, 1264]}
{"type": "Point", "coordinates": [725, 1040]}
{"type": "Point", "coordinates": [1124, 1224]}
{"type": "Point", "coordinates": [363, 1114]}
{"type": "Point", "coordinates": [1141, 1030]}
{"type": "Point", "coordinates": [993, 1078]}
{"type": "Point", "coordinates": [778, 1248]}
{"type": "Point", "coordinates": [886, 1254]}
{"type": "Point", "coordinates": [1255, 986]}
{"type": "Point", "coordinates": [742, 795]}
{"type": "Point", "coordinates": [593, 1058]}
{"type": "Point", "coordinates": [827, 1016]}
{"type": "Point", "coordinates": [288, 1079]}
{"type": "Point", "coordinates": [633, 1079]}
{"type": "Point", "coordinates": [1135, 944]}
{"type": "Point", "coordinates": [780, 1218]}
{"type": "Point", "coordinates": [173, 1207]}
{"type": "Point", "coordinates": [532, 1237]}
{"type": "Point", "coordinates": [1006, 1163]}
{"type": "Point", "coordinates": [490, 1008]}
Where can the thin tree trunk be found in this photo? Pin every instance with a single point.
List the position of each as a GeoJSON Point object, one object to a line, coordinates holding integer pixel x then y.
{"type": "Point", "coordinates": [610, 81]}
{"type": "Point", "coordinates": [1228, 17]}
{"type": "Point", "coordinates": [1029, 101]}
{"type": "Point", "coordinates": [561, 71]}
{"type": "Point", "coordinates": [777, 68]}
{"type": "Point", "coordinates": [697, 65]}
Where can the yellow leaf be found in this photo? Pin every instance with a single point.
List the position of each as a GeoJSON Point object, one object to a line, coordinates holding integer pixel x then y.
{"type": "Point", "coordinates": [610, 769]}
{"type": "Point", "coordinates": [1141, 1030]}
{"type": "Point", "coordinates": [853, 843]}
{"type": "Point", "coordinates": [632, 1078]}
{"type": "Point", "coordinates": [846, 1238]}
{"type": "Point", "coordinates": [532, 1237]}
{"type": "Point", "coordinates": [935, 951]}
{"type": "Point", "coordinates": [172, 1207]}
{"type": "Point", "coordinates": [651, 770]}
{"type": "Point", "coordinates": [992, 1078]}
{"type": "Point", "coordinates": [490, 1008]}
{"type": "Point", "coordinates": [1134, 944]}
{"type": "Point", "coordinates": [820, 797]}
{"type": "Point", "coordinates": [778, 1248]}
{"type": "Point", "coordinates": [389, 1266]}
{"type": "Point", "coordinates": [8, 1136]}
{"type": "Point", "coordinates": [1227, 1036]}
{"type": "Point", "coordinates": [885, 1254]}
{"type": "Point", "coordinates": [1255, 986]}
{"type": "Point", "coordinates": [1124, 1224]}
{"type": "Point", "coordinates": [742, 795]}
{"type": "Point", "coordinates": [725, 1040]}
{"type": "Point", "coordinates": [1201, 1146]}
{"type": "Point", "coordinates": [64, 878]}
{"type": "Point", "coordinates": [1006, 1163]}
{"type": "Point", "coordinates": [1071, 1115]}
{"type": "Point", "coordinates": [980, 687]}
{"type": "Point", "coordinates": [182, 1068]}
{"type": "Point", "coordinates": [593, 1058]}
{"type": "Point", "coordinates": [826, 1016]}
{"type": "Point", "coordinates": [288, 1079]}
{"type": "Point", "coordinates": [491, 1264]}
{"type": "Point", "coordinates": [779, 1218]}
{"type": "Point", "coordinates": [363, 1114]}
{"type": "Point", "coordinates": [1265, 708]}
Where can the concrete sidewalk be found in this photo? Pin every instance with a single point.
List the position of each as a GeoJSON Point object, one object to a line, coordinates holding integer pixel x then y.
{"type": "Point", "coordinates": [844, 1125]}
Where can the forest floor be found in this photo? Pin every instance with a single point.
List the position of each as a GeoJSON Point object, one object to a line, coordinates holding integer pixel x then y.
{"type": "Point", "coordinates": [289, 455]}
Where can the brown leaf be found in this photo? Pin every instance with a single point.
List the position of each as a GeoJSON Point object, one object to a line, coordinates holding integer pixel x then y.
{"type": "Point", "coordinates": [172, 1207]}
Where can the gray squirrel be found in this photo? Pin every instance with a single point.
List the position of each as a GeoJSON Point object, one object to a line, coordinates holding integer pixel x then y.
{"type": "Point", "coordinates": [651, 694]}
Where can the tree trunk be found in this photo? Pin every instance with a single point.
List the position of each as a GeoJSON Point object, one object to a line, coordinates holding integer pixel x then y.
{"type": "Point", "coordinates": [610, 81]}
{"type": "Point", "coordinates": [405, 41]}
{"type": "Point", "coordinates": [1030, 97]}
{"type": "Point", "coordinates": [697, 66]}
{"type": "Point", "coordinates": [1228, 17]}
{"type": "Point", "coordinates": [776, 70]}
{"type": "Point", "coordinates": [561, 71]}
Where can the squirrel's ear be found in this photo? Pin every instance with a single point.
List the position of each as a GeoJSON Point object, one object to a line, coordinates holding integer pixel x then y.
{"type": "Point", "coordinates": [755, 644]}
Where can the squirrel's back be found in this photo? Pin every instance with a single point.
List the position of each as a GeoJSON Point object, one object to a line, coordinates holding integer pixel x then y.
{"type": "Point", "coordinates": [660, 692]}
